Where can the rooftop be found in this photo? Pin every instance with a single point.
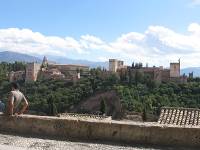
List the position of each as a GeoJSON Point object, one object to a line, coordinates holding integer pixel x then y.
{"type": "Point", "coordinates": [79, 65]}
{"type": "Point", "coordinates": [180, 116]}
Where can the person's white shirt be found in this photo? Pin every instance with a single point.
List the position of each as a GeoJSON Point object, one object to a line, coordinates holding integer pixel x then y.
{"type": "Point", "coordinates": [16, 98]}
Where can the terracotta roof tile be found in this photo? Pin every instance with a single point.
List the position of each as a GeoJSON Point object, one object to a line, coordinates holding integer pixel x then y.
{"type": "Point", "coordinates": [179, 116]}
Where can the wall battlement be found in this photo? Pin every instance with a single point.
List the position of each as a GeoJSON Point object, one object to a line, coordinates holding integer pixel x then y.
{"type": "Point", "coordinates": [110, 130]}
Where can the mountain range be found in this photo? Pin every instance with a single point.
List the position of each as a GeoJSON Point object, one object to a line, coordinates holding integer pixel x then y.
{"type": "Point", "coordinates": [64, 60]}
{"type": "Point", "coordinates": [8, 56]}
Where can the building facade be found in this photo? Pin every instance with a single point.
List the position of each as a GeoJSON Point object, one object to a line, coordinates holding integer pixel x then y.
{"type": "Point", "coordinates": [55, 71]}
{"type": "Point", "coordinates": [115, 64]}
{"type": "Point", "coordinates": [175, 70]}
{"type": "Point", "coordinates": [69, 69]}
{"type": "Point", "coordinates": [158, 74]}
{"type": "Point", "coordinates": [32, 71]}
{"type": "Point", "coordinates": [16, 76]}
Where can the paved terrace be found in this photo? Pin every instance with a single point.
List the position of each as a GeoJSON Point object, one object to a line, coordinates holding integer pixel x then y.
{"type": "Point", "coordinates": [16, 142]}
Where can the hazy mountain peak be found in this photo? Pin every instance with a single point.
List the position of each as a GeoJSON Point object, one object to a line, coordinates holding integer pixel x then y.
{"type": "Point", "coordinates": [9, 56]}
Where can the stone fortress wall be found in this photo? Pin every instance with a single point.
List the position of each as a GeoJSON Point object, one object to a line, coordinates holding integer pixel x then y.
{"type": "Point", "coordinates": [32, 71]}
{"type": "Point", "coordinates": [103, 129]}
{"type": "Point", "coordinates": [175, 70]}
{"type": "Point", "coordinates": [158, 74]}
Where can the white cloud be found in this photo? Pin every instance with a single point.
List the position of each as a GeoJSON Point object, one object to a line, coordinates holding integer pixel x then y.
{"type": "Point", "coordinates": [195, 2]}
{"type": "Point", "coordinates": [91, 39]}
{"type": "Point", "coordinates": [158, 45]}
{"type": "Point", "coordinates": [131, 37]}
{"type": "Point", "coordinates": [27, 41]}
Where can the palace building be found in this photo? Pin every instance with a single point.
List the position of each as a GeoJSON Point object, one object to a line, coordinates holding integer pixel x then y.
{"type": "Point", "coordinates": [50, 71]}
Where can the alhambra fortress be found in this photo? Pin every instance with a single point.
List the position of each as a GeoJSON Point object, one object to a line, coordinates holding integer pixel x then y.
{"type": "Point", "coordinates": [48, 70]}
{"type": "Point", "coordinates": [158, 74]}
{"type": "Point", "coordinates": [174, 127]}
{"type": "Point", "coordinates": [71, 72]}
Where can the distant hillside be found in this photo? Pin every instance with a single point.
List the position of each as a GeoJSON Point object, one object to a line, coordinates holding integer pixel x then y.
{"type": "Point", "coordinates": [7, 56]}
{"type": "Point", "coordinates": [63, 60]}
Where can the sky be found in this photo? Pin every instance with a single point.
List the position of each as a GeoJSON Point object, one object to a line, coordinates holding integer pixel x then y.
{"type": "Point", "coordinates": [156, 32]}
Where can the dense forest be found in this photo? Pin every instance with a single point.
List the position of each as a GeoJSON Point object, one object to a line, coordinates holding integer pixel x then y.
{"type": "Point", "coordinates": [137, 93]}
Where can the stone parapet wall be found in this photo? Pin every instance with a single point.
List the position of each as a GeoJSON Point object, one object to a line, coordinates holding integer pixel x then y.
{"type": "Point", "coordinates": [109, 130]}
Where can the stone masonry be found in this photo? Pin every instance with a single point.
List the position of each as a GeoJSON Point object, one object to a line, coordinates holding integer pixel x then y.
{"type": "Point", "coordinates": [105, 130]}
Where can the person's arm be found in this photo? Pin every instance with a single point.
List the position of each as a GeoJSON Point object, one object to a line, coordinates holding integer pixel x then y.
{"type": "Point", "coordinates": [25, 105]}
{"type": "Point", "coordinates": [10, 104]}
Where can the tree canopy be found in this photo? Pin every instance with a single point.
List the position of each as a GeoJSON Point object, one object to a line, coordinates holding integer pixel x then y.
{"type": "Point", "coordinates": [137, 93]}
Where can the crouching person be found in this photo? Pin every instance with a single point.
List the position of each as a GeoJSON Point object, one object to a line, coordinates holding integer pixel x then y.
{"type": "Point", "coordinates": [17, 103]}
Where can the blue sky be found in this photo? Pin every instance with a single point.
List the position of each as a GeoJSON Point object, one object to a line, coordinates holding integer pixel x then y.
{"type": "Point", "coordinates": [104, 18]}
{"type": "Point", "coordinates": [140, 30]}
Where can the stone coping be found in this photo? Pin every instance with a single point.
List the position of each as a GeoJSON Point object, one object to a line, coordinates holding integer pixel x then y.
{"type": "Point", "coordinates": [106, 130]}
{"type": "Point", "coordinates": [119, 122]}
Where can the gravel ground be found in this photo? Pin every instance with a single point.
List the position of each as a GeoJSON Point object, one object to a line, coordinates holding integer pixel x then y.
{"type": "Point", "coordinates": [14, 142]}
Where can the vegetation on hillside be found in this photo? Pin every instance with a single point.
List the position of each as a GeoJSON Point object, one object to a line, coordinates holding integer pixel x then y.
{"type": "Point", "coordinates": [137, 93]}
